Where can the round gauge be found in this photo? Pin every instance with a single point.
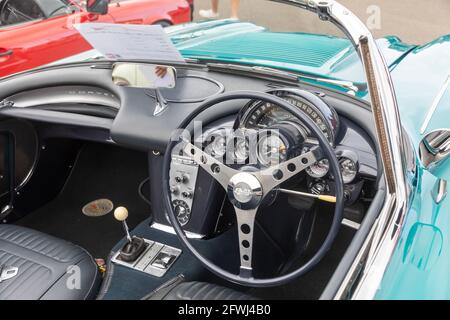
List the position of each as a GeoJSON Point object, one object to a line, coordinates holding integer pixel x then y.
{"type": "Point", "coordinates": [259, 115]}
{"type": "Point", "coordinates": [241, 150]}
{"type": "Point", "coordinates": [271, 150]}
{"type": "Point", "coordinates": [349, 170]}
{"type": "Point", "coordinates": [319, 169]}
{"type": "Point", "coordinates": [182, 211]}
{"type": "Point", "coordinates": [218, 146]}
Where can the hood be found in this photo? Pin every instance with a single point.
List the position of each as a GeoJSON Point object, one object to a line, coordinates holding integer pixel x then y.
{"type": "Point", "coordinates": [231, 41]}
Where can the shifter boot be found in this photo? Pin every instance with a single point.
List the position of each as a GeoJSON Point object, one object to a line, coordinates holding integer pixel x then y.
{"type": "Point", "coordinates": [132, 250]}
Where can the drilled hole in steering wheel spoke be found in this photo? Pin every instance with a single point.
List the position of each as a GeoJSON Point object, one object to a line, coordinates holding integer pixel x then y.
{"type": "Point", "coordinates": [277, 174]}
{"type": "Point", "coordinates": [291, 167]}
{"type": "Point", "coordinates": [245, 228]}
{"type": "Point", "coordinates": [215, 168]}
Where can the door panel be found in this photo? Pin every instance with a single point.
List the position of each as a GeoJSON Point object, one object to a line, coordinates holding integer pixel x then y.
{"type": "Point", "coordinates": [25, 149]}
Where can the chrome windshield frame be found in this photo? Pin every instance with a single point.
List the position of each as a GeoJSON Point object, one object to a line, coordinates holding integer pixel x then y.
{"type": "Point", "coordinates": [378, 247]}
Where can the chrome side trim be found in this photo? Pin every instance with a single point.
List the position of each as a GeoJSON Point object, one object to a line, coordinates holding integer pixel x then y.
{"type": "Point", "coordinates": [169, 229]}
{"type": "Point", "coordinates": [351, 224]}
{"type": "Point", "coordinates": [377, 251]}
{"type": "Point", "coordinates": [440, 191]}
{"type": "Point", "coordinates": [373, 258]}
{"type": "Point", "coordinates": [434, 106]}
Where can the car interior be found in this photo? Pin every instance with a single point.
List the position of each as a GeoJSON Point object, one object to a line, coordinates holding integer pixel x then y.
{"type": "Point", "coordinates": [83, 158]}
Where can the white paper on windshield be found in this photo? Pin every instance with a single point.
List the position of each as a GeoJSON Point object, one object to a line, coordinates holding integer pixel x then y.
{"type": "Point", "coordinates": [130, 42]}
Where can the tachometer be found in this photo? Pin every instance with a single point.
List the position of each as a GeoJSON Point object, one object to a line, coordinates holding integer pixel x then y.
{"type": "Point", "coordinates": [259, 115]}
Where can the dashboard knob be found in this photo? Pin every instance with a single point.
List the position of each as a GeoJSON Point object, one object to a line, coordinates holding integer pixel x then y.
{"type": "Point", "coordinates": [187, 194]}
{"type": "Point", "coordinates": [318, 188]}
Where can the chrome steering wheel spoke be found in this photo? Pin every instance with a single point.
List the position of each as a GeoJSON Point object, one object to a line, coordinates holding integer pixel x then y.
{"type": "Point", "coordinates": [275, 175]}
{"type": "Point", "coordinates": [220, 172]}
{"type": "Point", "coordinates": [245, 223]}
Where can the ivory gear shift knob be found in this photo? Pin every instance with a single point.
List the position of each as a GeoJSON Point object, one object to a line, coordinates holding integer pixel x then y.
{"type": "Point", "coordinates": [121, 213]}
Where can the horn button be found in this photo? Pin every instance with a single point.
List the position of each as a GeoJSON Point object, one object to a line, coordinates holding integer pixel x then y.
{"type": "Point", "coordinates": [245, 191]}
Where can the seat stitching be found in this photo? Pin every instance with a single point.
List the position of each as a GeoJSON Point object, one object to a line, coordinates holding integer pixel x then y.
{"type": "Point", "coordinates": [198, 293]}
{"type": "Point", "coordinates": [43, 254]}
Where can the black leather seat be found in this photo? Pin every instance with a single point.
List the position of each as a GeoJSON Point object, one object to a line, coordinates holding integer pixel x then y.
{"type": "Point", "coordinates": [46, 265]}
{"type": "Point", "coordinates": [177, 289]}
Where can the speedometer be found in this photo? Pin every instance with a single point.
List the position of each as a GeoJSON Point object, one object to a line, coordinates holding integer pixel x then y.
{"type": "Point", "coordinates": [260, 115]}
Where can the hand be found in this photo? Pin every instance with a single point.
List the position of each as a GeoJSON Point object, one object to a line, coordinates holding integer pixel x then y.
{"type": "Point", "coordinates": [161, 71]}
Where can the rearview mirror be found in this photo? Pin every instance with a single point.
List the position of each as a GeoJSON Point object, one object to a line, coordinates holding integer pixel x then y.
{"type": "Point", "coordinates": [434, 151]}
{"type": "Point", "coordinates": [140, 75]}
{"type": "Point", "coordinates": [97, 6]}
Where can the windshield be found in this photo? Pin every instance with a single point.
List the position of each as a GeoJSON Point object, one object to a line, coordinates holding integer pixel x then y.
{"type": "Point", "coordinates": [271, 35]}
{"type": "Point", "coordinates": [265, 34]}
{"type": "Point", "coordinates": [53, 8]}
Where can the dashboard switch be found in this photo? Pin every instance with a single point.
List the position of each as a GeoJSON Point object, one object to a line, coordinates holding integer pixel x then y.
{"type": "Point", "coordinates": [184, 178]}
{"type": "Point", "coordinates": [187, 194]}
{"type": "Point", "coordinates": [163, 260]}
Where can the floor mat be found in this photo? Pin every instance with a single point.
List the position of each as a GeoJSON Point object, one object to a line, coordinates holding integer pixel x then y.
{"type": "Point", "coordinates": [101, 172]}
{"type": "Point", "coordinates": [311, 285]}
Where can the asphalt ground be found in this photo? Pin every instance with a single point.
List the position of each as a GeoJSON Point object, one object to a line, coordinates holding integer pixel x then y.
{"type": "Point", "coordinates": [414, 21]}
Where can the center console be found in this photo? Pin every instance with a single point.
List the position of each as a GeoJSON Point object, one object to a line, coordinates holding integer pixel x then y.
{"type": "Point", "coordinates": [155, 260]}
{"type": "Point", "coordinates": [141, 254]}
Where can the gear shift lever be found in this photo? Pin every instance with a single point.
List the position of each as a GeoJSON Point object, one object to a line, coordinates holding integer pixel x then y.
{"type": "Point", "coordinates": [134, 246]}
{"type": "Point", "coordinates": [121, 214]}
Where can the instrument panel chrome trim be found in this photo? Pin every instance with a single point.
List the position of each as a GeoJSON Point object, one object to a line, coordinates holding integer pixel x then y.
{"type": "Point", "coordinates": [169, 229]}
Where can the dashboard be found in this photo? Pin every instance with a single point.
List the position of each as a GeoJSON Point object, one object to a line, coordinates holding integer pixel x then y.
{"type": "Point", "coordinates": [263, 134]}
{"type": "Point", "coordinates": [87, 105]}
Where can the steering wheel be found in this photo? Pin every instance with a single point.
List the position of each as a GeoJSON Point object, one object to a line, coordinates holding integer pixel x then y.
{"type": "Point", "coordinates": [247, 190]}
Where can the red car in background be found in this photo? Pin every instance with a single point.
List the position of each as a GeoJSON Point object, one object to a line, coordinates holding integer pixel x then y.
{"type": "Point", "coordinates": [38, 32]}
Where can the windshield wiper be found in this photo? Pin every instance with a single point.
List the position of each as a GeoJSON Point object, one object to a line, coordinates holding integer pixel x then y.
{"type": "Point", "coordinates": [340, 83]}
{"type": "Point", "coordinates": [288, 75]}
{"type": "Point", "coordinates": [256, 69]}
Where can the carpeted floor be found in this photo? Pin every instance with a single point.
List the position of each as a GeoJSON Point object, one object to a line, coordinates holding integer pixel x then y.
{"type": "Point", "coordinates": [311, 285]}
{"type": "Point", "coordinates": [101, 171]}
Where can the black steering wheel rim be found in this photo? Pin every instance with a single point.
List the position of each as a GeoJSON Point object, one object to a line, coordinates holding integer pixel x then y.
{"type": "Point", "coordinates": [328, 153]}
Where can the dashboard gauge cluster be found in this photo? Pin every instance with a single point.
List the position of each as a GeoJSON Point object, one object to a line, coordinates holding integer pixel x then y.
{"type": "Point", "coordinates": [264, 135]}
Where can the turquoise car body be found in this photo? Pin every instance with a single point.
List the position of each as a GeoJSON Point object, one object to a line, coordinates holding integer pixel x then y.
{"type": "Point", "coordinates": [420, 265]}
{"type": "Point", "coordinates": [314, 55]}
